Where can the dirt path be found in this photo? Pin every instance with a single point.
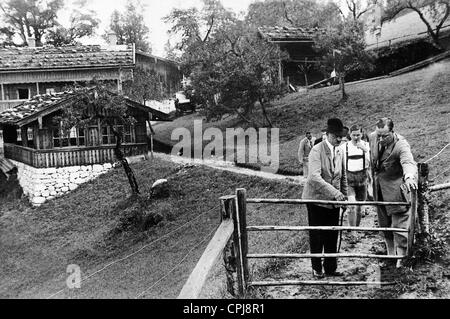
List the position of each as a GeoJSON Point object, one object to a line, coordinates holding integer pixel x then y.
{"type": "Point", "coordinates": [229, 166]}
{"type": "Point", "coordinates": [354, 269]}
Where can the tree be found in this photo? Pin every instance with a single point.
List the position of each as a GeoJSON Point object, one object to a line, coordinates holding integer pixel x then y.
{"type": "Point", "coordinates": [31, 18]}
{"type": "Point", "coordinates": [6, 36]}
{"type": "Point", "coordinates": [232, 71]}
{"type": "Point", "coordinates": [144, 86]}
{"type": "Point", "coordinates": [196, 28]}
{"type": "Point", "coordinates": [344, 50]}
{"type": "Point", "coordinates": [290, 13]}
{"type": "Point", "coordinates": [82, 24]}
{"type": "Point", "coordinates": [130, 27]}
{"type": "Point", "coordinates": [357, 8]}
{"type": "Point", "coordinates": [433, 13]}
{"type": "Point", "coordinates": [98, 104]}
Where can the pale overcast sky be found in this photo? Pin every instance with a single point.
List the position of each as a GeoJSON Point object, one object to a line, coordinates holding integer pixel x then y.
{"type": "Point", "coordinates": [154, 11]}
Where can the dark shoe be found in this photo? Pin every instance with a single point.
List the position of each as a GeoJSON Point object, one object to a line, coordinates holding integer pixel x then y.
{"type": "Point", "coordinates": [318, 274]}
{"type": "Point", "coordinates": [334, 274]}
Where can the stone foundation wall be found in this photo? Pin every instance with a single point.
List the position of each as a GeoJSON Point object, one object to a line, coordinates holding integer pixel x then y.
{"type": "Point", "coordinates": [42, 184]}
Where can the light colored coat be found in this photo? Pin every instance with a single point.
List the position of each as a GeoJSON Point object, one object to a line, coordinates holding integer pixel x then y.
{"type": "Point", "coordinates": [304, 148]}
{"type": "Point", "coordinates": [396, 162]}
{"type": "Point", "coordinates": [325, 180]}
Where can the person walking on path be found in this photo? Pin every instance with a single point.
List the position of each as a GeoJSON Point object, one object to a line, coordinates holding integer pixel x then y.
{"type": "Point", "coordinates": [357, 160]}
{"type": "Point", "coordinates": [306, 144]}
{"type": "Point", "coordinates": [326, 180]}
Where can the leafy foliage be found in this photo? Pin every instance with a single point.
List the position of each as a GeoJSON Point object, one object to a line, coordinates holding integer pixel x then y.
{"type": "Point", "coordinates": [31, 18]}
{"type": "Point", "coordinates": [304, 13]}
{"type": "Point", "coordinates": [82, 24]}
{"type": "Point", "coordinates": [129, 26]}
{"type": "Point", "coordinates": [344, 49]}
{"type": "Point", "coordinates": [230, 67]}
{"type": "Point", "coordinates": [144, 86]}
{"type": "Point", "coordinates": [92, 104]}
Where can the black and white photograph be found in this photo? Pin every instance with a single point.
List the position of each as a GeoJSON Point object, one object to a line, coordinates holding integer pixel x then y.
{"type": "Point", "coordinates": [225, 154]}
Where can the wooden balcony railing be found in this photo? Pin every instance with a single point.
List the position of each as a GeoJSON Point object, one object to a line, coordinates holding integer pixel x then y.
{"type": "Point", "coordinates": [70, 156]}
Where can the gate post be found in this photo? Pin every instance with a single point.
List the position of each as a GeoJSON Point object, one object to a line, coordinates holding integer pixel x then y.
{"type": "Point", "coordinates": [240, 236]}
{"type": "Point", "coordinates": [412, 224]}
{"type": "Point", "coordinates": [422, 209]}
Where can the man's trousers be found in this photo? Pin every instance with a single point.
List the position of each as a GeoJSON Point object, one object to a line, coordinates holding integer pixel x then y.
{"type": "Point", "coordinates": [396, 242]}
{"type": "Point", "coordinates": [323, 240]}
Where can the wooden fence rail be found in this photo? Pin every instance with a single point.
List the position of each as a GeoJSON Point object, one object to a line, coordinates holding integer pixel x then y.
{"type": "Point", "coordinates": [231, 242]}
{"type": "Point", "coordinates": [219, 245]}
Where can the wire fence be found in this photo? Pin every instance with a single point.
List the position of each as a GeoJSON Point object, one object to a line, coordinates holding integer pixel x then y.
{"type": "Point", "coordinates": [140, 249]}
{"type": "Point", "coordinates": [177, 265]}
{"type": "Point", "coordinates": [437, 154]}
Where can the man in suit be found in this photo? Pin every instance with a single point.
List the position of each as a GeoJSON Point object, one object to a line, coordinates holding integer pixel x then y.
{"type": "Point", "coordinates": [326, 180]}
{"type": "Point", "coordinates": [393, 168]}
{"type": "Point", "coordinates": [304, 148]}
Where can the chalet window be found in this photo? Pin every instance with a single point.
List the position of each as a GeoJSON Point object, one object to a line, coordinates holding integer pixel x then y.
{"type": "Point", "coordinates": [106, 137]}
{"type": "Point", "coordinates": [109, 138]}
{"type": "Point", "coordinates": [74, 138]}
{"type": "Point", "coordinates": [23, 94]}
{"type": "Point", "coordinates": [29, 133]}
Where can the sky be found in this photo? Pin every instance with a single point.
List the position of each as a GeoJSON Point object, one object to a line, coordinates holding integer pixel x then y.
{"type": "Point", "coordinates": [154, 11]}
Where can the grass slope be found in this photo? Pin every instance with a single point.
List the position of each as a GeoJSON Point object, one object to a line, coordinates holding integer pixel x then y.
{"type": "Point", "coordinates": [88, 227]}
{"type": "Point", "coordinates": [418, 102]}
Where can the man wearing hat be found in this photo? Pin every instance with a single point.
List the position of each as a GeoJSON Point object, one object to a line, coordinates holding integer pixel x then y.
{"type": "Point", "coordinates": [327, 180]}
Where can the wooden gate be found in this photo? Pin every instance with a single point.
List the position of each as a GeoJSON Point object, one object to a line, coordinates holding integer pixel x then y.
{"type": "Point", "coordinates": [241, 231]}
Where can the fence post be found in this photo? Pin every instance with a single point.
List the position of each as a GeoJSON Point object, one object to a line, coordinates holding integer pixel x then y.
{"type": "Point", "coordinates": [227, 208]}
{"type": "Point", "coordinates": [240, 223]}
{"type": "Point", "coordinates": [422, 209]}
{"type": "Point", "coordinates": [412, 225]}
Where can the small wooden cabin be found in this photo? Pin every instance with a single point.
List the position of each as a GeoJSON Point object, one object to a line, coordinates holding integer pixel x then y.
{"type": "Point", "coordinates": [302, 67]}
{"type": "Point", "coordinates": [31, 136]}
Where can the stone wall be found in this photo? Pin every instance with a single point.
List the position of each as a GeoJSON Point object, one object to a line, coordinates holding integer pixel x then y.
{"type": "Point", "coordinates": [42, 184]}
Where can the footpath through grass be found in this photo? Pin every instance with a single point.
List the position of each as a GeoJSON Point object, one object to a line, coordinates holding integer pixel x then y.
{"type": "Point", "coordinates": [91, 227]}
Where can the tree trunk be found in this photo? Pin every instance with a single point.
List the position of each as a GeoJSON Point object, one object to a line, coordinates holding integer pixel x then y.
{"type": "Point", "coordinates": [342, 84]}
{"type": "Point", "coordinates": [265, 113]}
{"type": "Point", "coordinates": [128, 171]}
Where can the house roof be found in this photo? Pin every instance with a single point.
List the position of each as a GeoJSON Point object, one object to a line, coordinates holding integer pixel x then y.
{"type": "Point", "coordinates": [63, 57]}
{"type": "Point", "coordinates": [288, 34]}
{"type": "Point", "coordinates": [44, 104]}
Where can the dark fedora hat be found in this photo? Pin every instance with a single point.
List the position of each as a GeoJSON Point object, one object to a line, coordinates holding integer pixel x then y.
{"type": "Point", "coordinates": [335, 126]}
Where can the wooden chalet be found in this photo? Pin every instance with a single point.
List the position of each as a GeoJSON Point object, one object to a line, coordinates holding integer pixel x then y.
{"type": "Point", "coordinates": [30, 71]}
{"type": "Point", "coordinates": [302, 67]}
{"type": "Point", "coordinates": [32, 137]}
{"type": "Point", "coordinates": [169, 73]}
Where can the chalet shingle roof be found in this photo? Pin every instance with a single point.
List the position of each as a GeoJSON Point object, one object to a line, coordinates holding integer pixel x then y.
{"type": "Point", "coordinates": [43, 102]}
{"type": "Point", "coordinates": [50, 57]}
{"type": "Point", "coordinates": [35, 105]}
{"type": "Point", "coordinates": [288, 33]}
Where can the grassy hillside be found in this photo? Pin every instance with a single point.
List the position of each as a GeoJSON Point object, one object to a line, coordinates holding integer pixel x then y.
{"type": "Point", "coordinates": [93, 226]}
{"type": "Point", "coordinates": [418, 102]}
